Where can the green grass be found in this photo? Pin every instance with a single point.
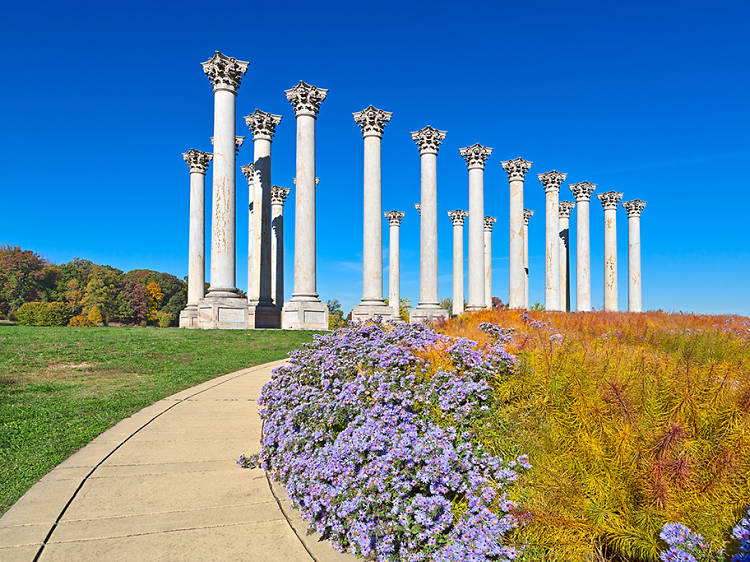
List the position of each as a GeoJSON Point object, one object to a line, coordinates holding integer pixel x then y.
{"type": "Point", "coordinates": [61, 387]}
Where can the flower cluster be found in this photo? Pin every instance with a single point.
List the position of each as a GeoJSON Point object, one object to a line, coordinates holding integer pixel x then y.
{"type": "Point", "coordinates": [684, 544]}
{"type": "Point", "coordinates": [370, 429]}
{"type": "Point", "coordinates": [742, 533]}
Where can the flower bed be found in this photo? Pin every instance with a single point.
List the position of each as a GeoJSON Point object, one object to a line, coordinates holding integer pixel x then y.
{"type": "Point", "coordinates": [370, 428]}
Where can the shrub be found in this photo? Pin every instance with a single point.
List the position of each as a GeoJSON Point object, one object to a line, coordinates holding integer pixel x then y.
{"type": "Point", "coordinates": [164, 318]}
{"type": "Point", "coordinates": [43, 314]}
{"type": "Point", "coordinates": [371, 430]}
{"type": "Point", "coordinates": [95, 316]}
{"type": "Point", "coordinates": [80, 321]}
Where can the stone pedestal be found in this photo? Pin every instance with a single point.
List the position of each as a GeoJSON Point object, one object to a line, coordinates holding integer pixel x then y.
{"type": "Point", "coordinates": [305, 310]}
{"type": "Point", "coordinates": [394, 262]}
{"type": "Point", "coordinates": [223, 312]}
{"type": "Point", "coordinates": [634, 209]}
{"type": "Point", "coordinates": [428, 141]}
{"type": "Point", "coordinates": [551, 182]}
{"type": "Point", "coordinates": [198, 162]}
{"type": "Point", "coordinates": [476, 158]}
{"type": "Point", "coordinates": [372, 121]}
{"type": "Point", "coordinates": [516, 170]}
{"type": "Point", "coordinates": [527, 214]}
{"type": "Point", "coordinates": [609, 201]}
{"type": "Point", "coordinates": [457, 218]}
{"type": "Point", "coordinates": [582, 193]}
{"type": "Point", "coordinates": [489, 223]}
{"type": "Point", "coordinates": [564, 219]}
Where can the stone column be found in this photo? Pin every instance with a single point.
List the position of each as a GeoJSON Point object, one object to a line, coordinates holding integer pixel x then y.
{"type": "Point", "coordinates": [372, 121]}
{"type": "Point", "coordinates": [222, 307]}
{"type": "Point", "coordinates": [428, 140]}
{"type": "Point", "coordinates": [252, 280]}
{"type": "Point", "coordinates": [634, 209]}
{"type": "Point", "coordinates": [489, 222]}
{"type": "Point", "coordinates": [198, 163]}
{"type": "Point", "coordinates": [582, 193]}
{"type": "Point", "coordinates": [564, 225]}
{"type": "Point", "coordinates": [457, 218]}
{"type": "Point", "coordinates": [609, 201]}
{"type": "Point", "coordinates": [526, 217]}
{"type": "Point", "coordinates": [278, 196]}
{"type": "Point", "coordinates": [394, 262]}
{"type": "Point", "coordinates": [516, 170]}
{"type": "Point", "coordinates": [551, 182]}
{"type": "Point", "coordinates": [476, 158]}
{"type": "Point", "coordinates": [305, 311]}
{"type": "Point", "coordinates": [262, 313]}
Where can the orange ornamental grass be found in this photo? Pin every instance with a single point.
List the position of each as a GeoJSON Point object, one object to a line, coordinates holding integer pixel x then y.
{"type": "Point", "coordinates": [630, 421]}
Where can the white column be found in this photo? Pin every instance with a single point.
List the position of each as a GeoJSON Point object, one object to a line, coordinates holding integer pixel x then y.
{"type": "Point", "coordinates": [304, 310]}
{"type": "Point", "coordinates": [582, 193]}
{"type": "Point", "coordinates": [428, 140]}
{"type": "Point", "coordinates": [551, 182]}
{"type": "Point", "coordinates": [516, 170]}
{"type": "Point", "coordinates": [634, 209]}
{"type": "Point", "coordinates": [198, 162]}
{"type": "Point", "coordinates": [225, 73]}
{"type": "Point", "coordinates": [253, 252]}
{"type": "Point", "coordinates": [527, 214]}
{"type": "Point", "coordinates": [394, 262]}
{"type": "Point", "coordinates": [609, 201]}
{"type": "Point", "coordinates": [278, 196]}
{"type": "Point", "coordinates": [476, 158]}
{"type": "Point", "coordinates": [457, 218]}
{"type": "Point", "coordinates": [564, 241]}
{"type": "Point", "coordinates": [489, 222]}
{"type": "Point", "coordinates": [372, 121]}
{"type": "Point", "coordinates": [261, 310]}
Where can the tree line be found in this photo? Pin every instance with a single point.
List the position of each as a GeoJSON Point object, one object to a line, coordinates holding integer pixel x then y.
{"type": "Point", "coordinates": [35, 291]}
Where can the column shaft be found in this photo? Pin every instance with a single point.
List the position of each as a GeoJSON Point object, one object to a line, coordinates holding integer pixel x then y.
{"type": "Point", "coordinates": [564, 263]}
{"type": "Point", "coordinates": [394, 270]}
{"type": "Point", "coordinates": [458, 269]}
{"type": "Point", "coordinates": [277, 255]}
{"type": "Point", "coordinates": [583, 257]}
{"type": "Point", "coordinates": [428, 259]}
{"type": "Point", "coordinates": [488, 269]}
{"type": "Point", "coordinates": [305, 287]}
{"type": "Point", "coordinates": [476, 292]}
{"type": "Point", "coordinates": [516, 263]}
{"type": "Point", "coordinates": [196, 238]}
{"type": "Point", "coordinates": [552, 251]}
{"type": "Point", "coordinates": [634, 264]}
{"type": "Point", "coordinates": [526, 266]}
{"type": "Point", "coordinates": [372, 250]}
{"type": "Point", "coordinates": [252, 252]}
{"type": "Point", "coordinates": [610, 259]}
{"type": "Point", "coordinates": [262, 221]}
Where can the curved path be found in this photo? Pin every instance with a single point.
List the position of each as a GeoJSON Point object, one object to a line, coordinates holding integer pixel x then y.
{"type": "Point", "coordinates": [163, 485]}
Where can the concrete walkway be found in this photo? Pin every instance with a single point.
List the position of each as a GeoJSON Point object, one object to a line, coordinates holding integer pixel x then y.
{"type": "Point", "coordinates": [163, 485]}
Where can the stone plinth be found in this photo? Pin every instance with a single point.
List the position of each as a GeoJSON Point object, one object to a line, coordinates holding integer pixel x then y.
{"type": "Point", "coordinates": [223, 313]}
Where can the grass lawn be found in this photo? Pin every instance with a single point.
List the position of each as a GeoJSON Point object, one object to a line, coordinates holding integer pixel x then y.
{"type": "Point", "coordinates": [61, 387]}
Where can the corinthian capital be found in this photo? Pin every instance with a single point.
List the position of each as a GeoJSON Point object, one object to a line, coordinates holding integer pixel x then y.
{"type": "Point", "coordinates": [552, 180]}
{"type": "Point", "coordinates": [418, 207]}
{"type": "Point", "coordinates": [527, 216]}
{"type": "Point", "coordinates": [457, 217]}
{"type": "Point", "coordinates": [633, 208]}
{"type": "Point", "coordinates": [564, 209]}
{"type": "Point", "coordinates": [305, 98]}
{"type": "Point", "coordinates": [609, 200]}
{"type": "Point", "coordinates": [489, 222]}
{"type": "Point", "coordinates": [372, 121]}
{"type": "Point", "coordinates": [249, 172]}
{"type": "Point", "coordinates": [225, 73]}
{"type": "Point", "coordinates": [516, 168]}
{"type": "Point", "coordinates": [428, 139]}
{"type": "Point", "coordinates": [582, 191]}
{"type": "Point", "coordinates": [475, 155]}
{"type": "Point", "coordinates": [197, 160]}
{"type": "Point", "coordinates": [279, 194]}
{"type": "Point", "coordinates": [394, 217]}
{"type": "Point", "coordinates": [262, 124]}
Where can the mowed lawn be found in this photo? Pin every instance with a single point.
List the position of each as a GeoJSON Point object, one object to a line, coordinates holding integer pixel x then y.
{"type": "Point", "coordinates": [61, 387]}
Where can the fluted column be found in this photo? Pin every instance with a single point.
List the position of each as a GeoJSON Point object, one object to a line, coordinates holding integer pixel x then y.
{"type": "Point", "coordinates": [394, 262]}
{"type": "Point", "coordinates": [198, 163]}
{"type": "Point", "coordinates": [564, 241]}
{"type": "Point", "coordinates": [633, 209]}
{"type": "Point", "coordinates": [527, 214]}
{"type": "Point", "coordinates": [489, 223]}
{"type": "Point", "coordinates": [278, 196]}
{"type": "Point", "coordinates": [304, 310]}
{"type": "Point", "coordinates": [428, 141]}
{"type": "Point", "coordinates": [261, 310]}
{"type": "Point", "coordinates": [582, 193]}
{"type": "Point", "coordinates": [551, 182]}
{"type": "Point", "coordinates": [609, 201]}
{"type": "Point", "coordinates": [516, 170]}
{"type": "Point", "coordinates": [372, 121]}
{"type": "Point", "coordinates": [476, 158]}
{"type": "Point", "coordinates": [457, 218]}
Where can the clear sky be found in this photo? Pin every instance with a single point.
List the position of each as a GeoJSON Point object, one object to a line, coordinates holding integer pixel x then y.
{"type": "Point", "coordinates": [648, 98]}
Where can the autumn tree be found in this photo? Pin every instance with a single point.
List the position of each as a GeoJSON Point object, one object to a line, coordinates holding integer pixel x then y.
{"type": "Point", "coordinates": [154, 296]}
{"type": "Point", "coordinates": [21, 276]}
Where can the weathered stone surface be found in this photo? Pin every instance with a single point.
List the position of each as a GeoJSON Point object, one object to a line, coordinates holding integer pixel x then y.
{"type": "Point", "coordinates": [516, 170]}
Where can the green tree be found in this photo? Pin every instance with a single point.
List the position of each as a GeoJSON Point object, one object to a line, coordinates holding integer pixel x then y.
{"type": "Point", "coordinates": [335, 314]}
{"type": "Point", "coordinates": [21, 277]}
{"type": "Point", "coordinates": [447, 304]}
{"type": "Point", "coordinates": [101, 291]}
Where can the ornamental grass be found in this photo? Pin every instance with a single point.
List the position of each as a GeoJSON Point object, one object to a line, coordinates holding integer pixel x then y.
{"type": "Point", "coordinates": [630, 421]}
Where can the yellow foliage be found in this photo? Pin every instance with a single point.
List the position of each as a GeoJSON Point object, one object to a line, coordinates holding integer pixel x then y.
{"type": "Point", "coordinates": [154, 296]}
{"type": "Point", "coordinates": [95, 316]}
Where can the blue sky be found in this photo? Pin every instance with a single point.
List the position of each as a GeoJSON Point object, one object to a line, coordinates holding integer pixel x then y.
{"type": "Point", "coordinates": [647, 98]}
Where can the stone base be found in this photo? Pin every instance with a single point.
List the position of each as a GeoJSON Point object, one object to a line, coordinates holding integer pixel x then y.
{"type": "Point", "coordinates": [189, 317]}
{"type": "Point", "coordinates": [223, 313]}
{"type": "Point", "coordinates": [427, 313]}
{"type": "Point", "coordinates": [263, 316]}
{"type": "Point", "coordinates": [365, 312]}
{"type": "Point", "coordinates": [304, 315]}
